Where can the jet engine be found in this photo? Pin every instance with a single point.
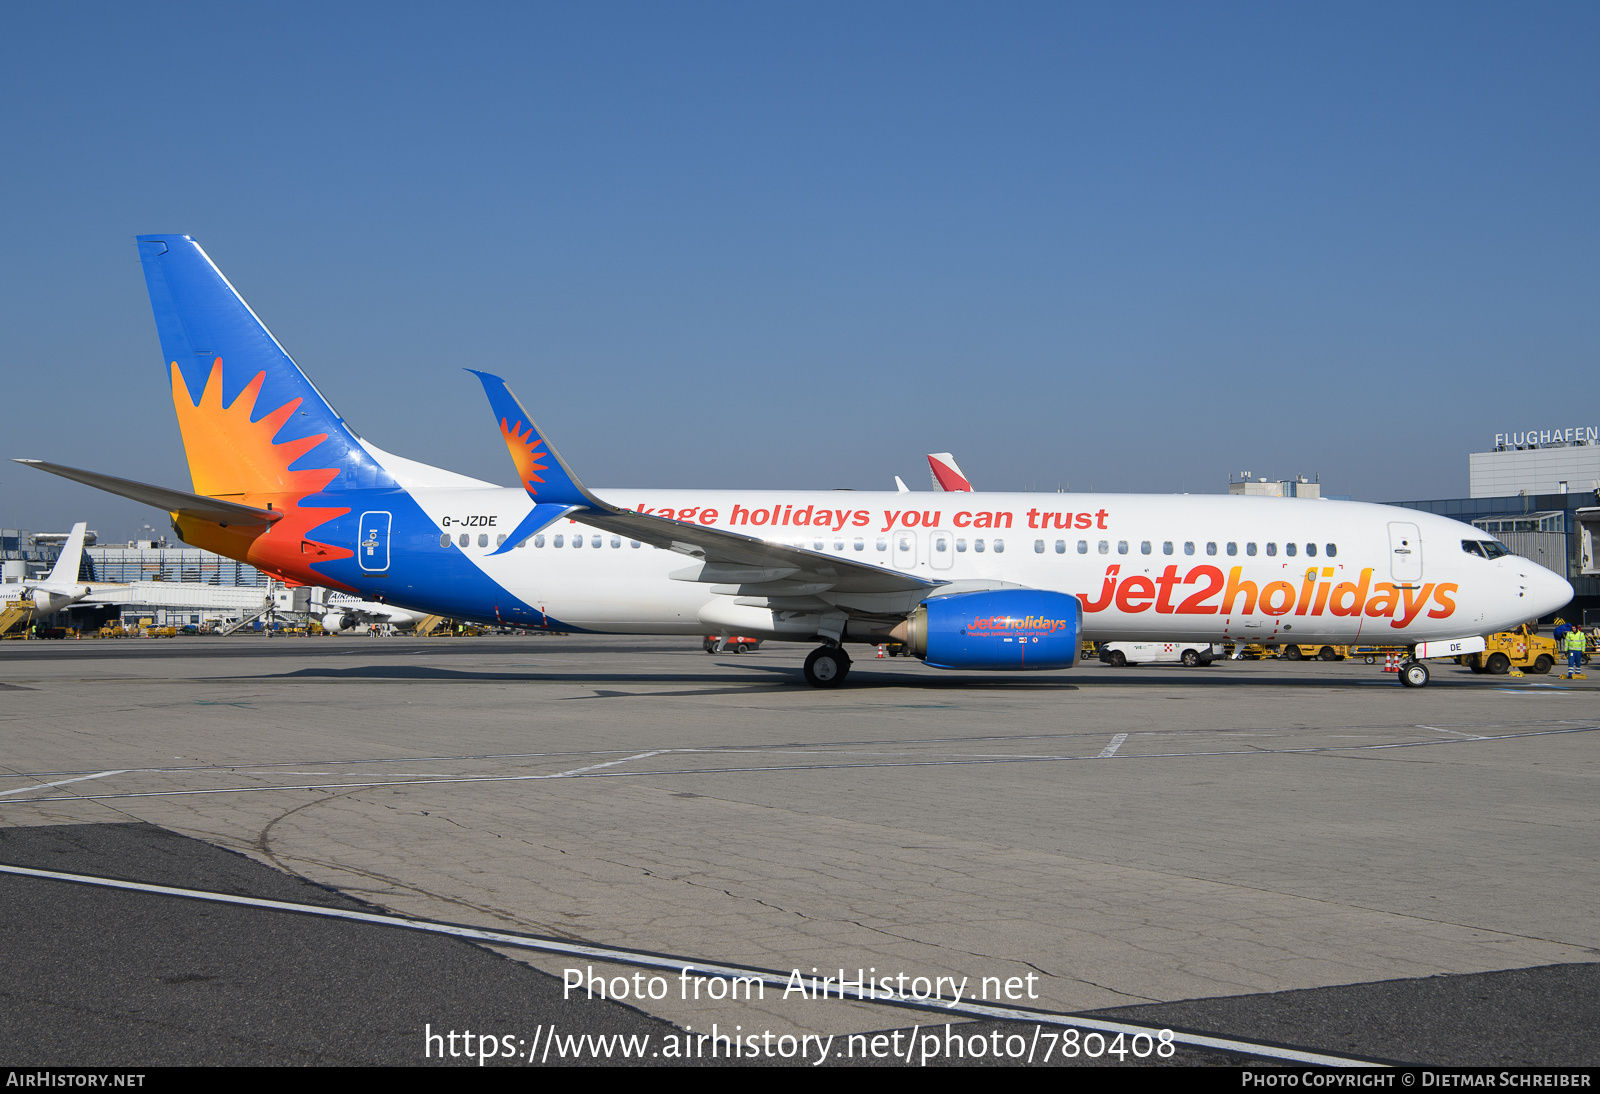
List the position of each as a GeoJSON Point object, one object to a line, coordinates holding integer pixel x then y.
{"type": "Point", "coordinates": [338, 622]}
{"type": "Point", "coordinates": [1001, 629]}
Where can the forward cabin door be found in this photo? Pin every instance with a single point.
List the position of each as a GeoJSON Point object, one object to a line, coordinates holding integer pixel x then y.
{"type": "Point", "coordinates": [1405, 552]}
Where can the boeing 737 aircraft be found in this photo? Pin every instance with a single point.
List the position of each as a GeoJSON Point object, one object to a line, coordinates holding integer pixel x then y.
{"type": "Point", "coordinates": [967, 580]}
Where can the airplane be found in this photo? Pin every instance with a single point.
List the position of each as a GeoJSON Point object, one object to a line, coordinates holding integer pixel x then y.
{"type": "Point", "coordinates": [343, 612]}
{"type": "Point", "coordinates": [967, 581]}
{"type": "Point", "coordinates": [61, 587]}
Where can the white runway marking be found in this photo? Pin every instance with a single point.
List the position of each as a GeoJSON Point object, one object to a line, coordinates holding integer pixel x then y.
{"type": "Point", "coordinates": [645, 959]}
{"type": "Point", "coordinates": [1457, 732]}
{"type": "Point", "coordinates": [61, 782]}
{"type": "Point", "coordinates": [1111, 749]}
{"type": "Point", "coordinates": [608, 763]}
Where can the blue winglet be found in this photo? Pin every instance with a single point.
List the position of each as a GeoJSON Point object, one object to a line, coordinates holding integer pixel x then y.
{"type": "Point", "coordinates": [544, 474]}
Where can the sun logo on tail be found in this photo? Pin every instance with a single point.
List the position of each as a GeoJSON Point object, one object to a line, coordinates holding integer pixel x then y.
{"type": "Point", "coordinates": [525, 453]}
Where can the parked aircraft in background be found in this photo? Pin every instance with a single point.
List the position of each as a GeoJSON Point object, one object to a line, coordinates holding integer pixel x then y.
{"type": "Point", "coordinates": [967, 581]}
{"type": "Point", "coordinates": [946, 475]}
{"type": "Point", "coordinates": [62, 587]}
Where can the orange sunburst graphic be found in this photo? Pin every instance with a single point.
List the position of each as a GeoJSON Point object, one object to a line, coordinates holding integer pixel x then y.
{"type": "Point", "coordinates": [525, 454]}
{"type": "Point", "coordinates": [234, 458]}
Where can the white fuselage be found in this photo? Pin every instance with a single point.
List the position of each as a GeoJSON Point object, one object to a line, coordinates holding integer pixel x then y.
{"type": "Point", "coordinates": [1156, 567]}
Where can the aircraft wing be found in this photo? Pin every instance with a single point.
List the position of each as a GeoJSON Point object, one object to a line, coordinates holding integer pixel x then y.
{"type": "Point", "coordinates": [173, 501]}
{"type": "Point", "coordinates": [740, 564]}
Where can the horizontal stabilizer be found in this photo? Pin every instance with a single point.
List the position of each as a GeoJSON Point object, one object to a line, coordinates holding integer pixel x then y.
{"type": "Point", "coordinates": [221, 512]}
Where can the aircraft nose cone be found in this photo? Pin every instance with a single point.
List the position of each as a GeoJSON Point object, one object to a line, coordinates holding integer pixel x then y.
{"type": "Point", "coordinates": [1550, 591]}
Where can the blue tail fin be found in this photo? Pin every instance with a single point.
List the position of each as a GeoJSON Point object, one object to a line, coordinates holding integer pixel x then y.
{"type": "Point", "coordinates": [252, 423]}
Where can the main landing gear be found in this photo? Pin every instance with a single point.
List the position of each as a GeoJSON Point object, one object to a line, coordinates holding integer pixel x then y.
{"type": "Point", "coordinates": [827, 667]}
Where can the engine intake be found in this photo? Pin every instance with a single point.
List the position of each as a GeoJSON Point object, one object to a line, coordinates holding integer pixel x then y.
{"type": "Point", "coordinates": [1004, 629]}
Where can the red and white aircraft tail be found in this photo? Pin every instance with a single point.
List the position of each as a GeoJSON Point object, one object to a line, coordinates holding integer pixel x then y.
{"type": "Point", "coordinates": [946, 475]}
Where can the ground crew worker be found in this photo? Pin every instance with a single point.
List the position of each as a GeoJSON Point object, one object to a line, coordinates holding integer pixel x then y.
{"type": "Point", "coordinates": [1574, 642]}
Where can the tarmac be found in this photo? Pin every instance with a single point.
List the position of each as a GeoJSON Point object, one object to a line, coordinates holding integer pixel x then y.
{"type": "Point", "coordinates": [1281, 854]}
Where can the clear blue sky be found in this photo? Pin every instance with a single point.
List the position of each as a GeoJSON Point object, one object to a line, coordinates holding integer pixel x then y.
{"type": "Point", "coordinates": [1121, 246]}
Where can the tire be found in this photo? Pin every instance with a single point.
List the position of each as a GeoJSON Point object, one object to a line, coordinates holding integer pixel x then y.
{"type": "Point", "coordinates": [1414, 674]}
{"type": "Point", "coordinates": [826, 667]}
{"type": "Point", "coordinates": [1371, 660]}
{"type": "Point", "coordinates": [1326, 653]}
{"type": "Point", "coordinates": [1543, 664]}
{"type": "Point", "coordinates": [1292, 653]}
{"type": "Point", "coordinates": [1191, 657]}
{"type": "Point", "coordinates": [1498, 664]}
{"type": "Point", "coordinates": [1117, 658]}
{"type": "Point", "coordinates": [740, 648]}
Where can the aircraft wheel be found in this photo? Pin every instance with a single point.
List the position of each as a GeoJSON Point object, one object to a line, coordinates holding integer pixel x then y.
{"type": "Point", "coordinates": [1498, 664]}
{"type": "Point", "coordinates": [1543, 664]}
{"type": "Point", "coordinates": [1292, 653]}
{"type": "Point", "coordinates": [1191, 657]}
{"type": "Point", "coordinates": [1414, 674]}
{"type": "Point", "coordinates": [827, 667]}
{"type": "Point", "coordinates": [1118, 659]}
{"type": "Point", "coordinates": [1326, 653]}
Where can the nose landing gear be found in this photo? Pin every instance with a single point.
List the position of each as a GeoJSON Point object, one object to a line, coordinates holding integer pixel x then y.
{"type": "Point", "coordinates": [1414, 674]}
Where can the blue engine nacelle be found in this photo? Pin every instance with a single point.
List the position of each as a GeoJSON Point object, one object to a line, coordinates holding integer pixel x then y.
{"type": "Point", "coordinates": [1004, 629]}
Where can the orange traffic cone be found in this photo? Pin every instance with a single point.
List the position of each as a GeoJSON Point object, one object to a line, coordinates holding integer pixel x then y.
{"type": "Point", "coordinates": [881, 653]}
{"type": "Point", "coordinates": [1391, 662]}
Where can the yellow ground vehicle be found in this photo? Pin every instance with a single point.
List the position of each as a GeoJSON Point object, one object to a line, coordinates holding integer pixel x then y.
{"type": "Point", "coordinates": [1523, 648]}
{"type": "Point", "coordinates": [1294, 652]}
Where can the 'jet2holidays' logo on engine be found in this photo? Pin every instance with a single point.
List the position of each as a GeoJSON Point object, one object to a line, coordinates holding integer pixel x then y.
{"type": "Point", "coordinates": [1027, 624]}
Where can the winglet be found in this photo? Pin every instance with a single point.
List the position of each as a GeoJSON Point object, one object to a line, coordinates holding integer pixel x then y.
{"type": "Point", "coordinates": [544, 474]}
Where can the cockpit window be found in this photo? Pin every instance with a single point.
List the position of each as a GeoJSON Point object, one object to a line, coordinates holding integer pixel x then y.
{"type": "Point", "coordinates": [1485, 548]}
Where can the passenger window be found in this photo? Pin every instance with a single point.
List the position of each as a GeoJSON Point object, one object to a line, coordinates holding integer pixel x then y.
{"type": "Point", "coordinates": [1122, 546]}
{"type": "Point", "coordinates": [595, 541]}
{"type": "Point", "coordinates": [1233, 548]}
{"type": "Point", "coordinates": [1061, 546]}
{"type": "Point", "coordinates": [999, 546]}
{"type": "Point", "coordinates": [633, 543]}
{"type": "Point", "coordinates": [499, 541]}
{"type": "Point", "coordinates": [883, 544]}
{"type": "Point", "coordinates": [816, 545]}
{"type": "Point", "coordinates": [1311, 550]}
{"type": "Point", "coordinates": [1083, 547]}
{"type": "Point", "coordinates": [1144, 547]}
{"type": "Point", "coordinates": [1105, 547]}
{"type": "Point", "coordinates": [1188, 547]}
{"type": "Point", "coordinates": [977, 545]}
{"type": "Point", "coordinates": [558, 541]}
{"type": "Point", "coordinates": [523, 543]}
{"type": "Point", "coordinates": [483, 539]}
{"type": "Point", "coordinates": [616, 542]}
{"type": "Point", "coordinates": [577, 541]}
{"type": "Point", "coordinates": [1166, 548]}
{"type": "Point", "coordinates": [940, 544]}
{"type": "Point", "coordinates": [1211, 548]}
{"type": "Point", "coordinates": [861, 544]}
{"type": "Point", "coordinates": [466, 540]}
{"type": "Point", "coordinates": [538, 541]}
{"type": "Point", "coordinates": [1038, 546]}
{"type": "Point", "coordinates": [1272, 549]}
{"type": "Point", "coordinates": [1250, 549]}
{"type": "Point", "coordinates": [1288, 549]}
{"type": "Point", "coordinates": [444, 540]}
{"type": "Point", "coordinates": [838, 545]}
{"type": "Point", "coordinates": [961, 546]}
{"type": "Point", "coordinates": [1333, 550]}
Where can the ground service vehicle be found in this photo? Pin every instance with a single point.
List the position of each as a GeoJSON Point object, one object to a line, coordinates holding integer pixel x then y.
{"type": "Point", "coordinates": [1149, 653]}
{"type": "Point", "coordinates": [1294, 652]}
{"type": "Point", "coordinates": [1523, 648]}
{"type": "Point", "coordinates": [734, 643]}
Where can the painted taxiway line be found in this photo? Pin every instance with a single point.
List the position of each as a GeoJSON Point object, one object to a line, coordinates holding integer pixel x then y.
{"type": "Point", "coordinates": [581, 773]}
{"type": "Point", "coordinates": [681, 965]}
{"type": "Point", "coordinates": [61, 782]}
